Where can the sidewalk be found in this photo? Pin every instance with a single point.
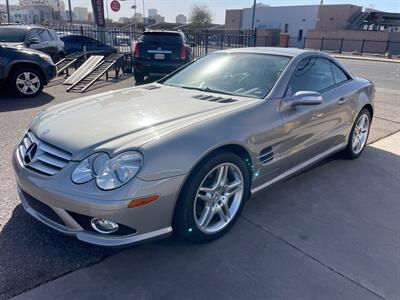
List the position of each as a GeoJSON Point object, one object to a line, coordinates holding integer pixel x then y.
{"type": "Point", "coordinates": [332, 232]}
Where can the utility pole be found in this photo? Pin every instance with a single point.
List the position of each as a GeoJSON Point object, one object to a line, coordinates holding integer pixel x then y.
{"type": "Point", "coordinates": [70, 12]}
{"type": "Point", "coordinates": [254, 14]}
{"type": "Point", "coordinates": [8, 12]}
{"type": "Point", "coordinates": [143, 11]}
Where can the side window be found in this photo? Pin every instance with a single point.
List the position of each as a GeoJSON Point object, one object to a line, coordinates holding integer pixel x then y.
{"type": "Point", "coordinates": [312, 74]}
{"type": "Point", "coordinates": [34, 33]}
{"type": "Point", "coordinates": [45, 36]}
{"type": "Point", "coordinates": [338, 74]}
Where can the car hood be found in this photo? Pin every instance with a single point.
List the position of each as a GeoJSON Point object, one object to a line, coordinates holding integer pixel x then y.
{"type": "Point", "coordinates": [127, 118]}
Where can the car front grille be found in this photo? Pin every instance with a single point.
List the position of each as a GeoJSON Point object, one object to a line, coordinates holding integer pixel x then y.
{"type": "Point", "coordinates": [42, 157]}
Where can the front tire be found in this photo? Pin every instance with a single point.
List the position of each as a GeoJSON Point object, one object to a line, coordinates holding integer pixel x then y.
{"type": "Point", "coordinates": [213, 198]}
{"type": "Point", "coordinates": [27, 82]}
{"type": "Point", "coordinates": [358, 135]}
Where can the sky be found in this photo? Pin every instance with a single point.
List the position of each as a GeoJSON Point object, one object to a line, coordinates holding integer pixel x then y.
{"type": "Point", "coordinates": [170, 8]}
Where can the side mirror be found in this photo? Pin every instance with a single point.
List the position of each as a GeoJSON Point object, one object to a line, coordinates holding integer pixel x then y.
{"type": "Point", "coordinates": [34, 40]}
{"type": "Point", "coordinates": [306, 98]}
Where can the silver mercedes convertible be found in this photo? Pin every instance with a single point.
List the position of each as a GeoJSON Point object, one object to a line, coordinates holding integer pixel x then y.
{"type": "Point", "coordinates": [185, 153]}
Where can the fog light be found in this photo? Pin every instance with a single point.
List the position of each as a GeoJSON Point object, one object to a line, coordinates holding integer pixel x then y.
{"type": "Point", "coordinates": [103, 225]}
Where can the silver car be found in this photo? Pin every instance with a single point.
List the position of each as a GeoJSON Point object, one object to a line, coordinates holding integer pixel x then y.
{"type": "Point", "coordinates": [186, 152]}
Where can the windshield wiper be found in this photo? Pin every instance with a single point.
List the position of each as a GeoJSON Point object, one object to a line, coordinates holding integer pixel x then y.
{"type": "Point", "coordinates": [207, 89]}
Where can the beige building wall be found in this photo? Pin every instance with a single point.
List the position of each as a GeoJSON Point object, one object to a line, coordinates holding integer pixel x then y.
{"type": "Point", "coordinates": [374, 41]}
{"type": "Point", "coordinates": [336, 17]}
{"type": "Point", "coordinates": [233, 18]}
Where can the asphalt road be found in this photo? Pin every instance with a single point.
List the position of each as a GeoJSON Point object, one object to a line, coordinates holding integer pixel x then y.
{"type": "Point", "coordinates": [316, 233]}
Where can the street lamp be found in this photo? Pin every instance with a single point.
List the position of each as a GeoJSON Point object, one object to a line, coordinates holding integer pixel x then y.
{"type": "Point", "coordinates": [134, 8]}
{"type": "Point", "coordinates": [254, 14]}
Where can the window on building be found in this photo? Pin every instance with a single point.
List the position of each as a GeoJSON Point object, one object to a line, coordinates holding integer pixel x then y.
{"type": "Point", "coordinates": [286, 28]}
{"type": "Point", "coordinates": [300, 36]}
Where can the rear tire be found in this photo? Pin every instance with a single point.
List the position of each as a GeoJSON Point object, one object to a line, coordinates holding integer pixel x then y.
{"type": "Point", "coordinates": [27, 82]}
{"type": "Point", "coordinates": [206, 210]}
{"type": "Point", "coordinates": [139, 77]}
{"type": "Point", "coordinates": [358, 135]}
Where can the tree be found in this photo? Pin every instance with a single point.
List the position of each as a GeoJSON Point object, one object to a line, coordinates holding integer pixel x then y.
{"type": "Point", "coordinates": [200, 14]}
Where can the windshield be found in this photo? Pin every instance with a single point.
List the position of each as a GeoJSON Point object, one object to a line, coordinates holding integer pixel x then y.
{"type": "Point", "coordinates": [240, 74]}
{"type": "Point", "coordinates": [161, 38]}
{"type": "Point", "coordinates": [12, 35]}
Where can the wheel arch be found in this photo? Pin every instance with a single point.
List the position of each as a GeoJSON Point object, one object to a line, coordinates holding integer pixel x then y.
{"type": "Point", "coordinates": [18, 65]}
{"type": "Point", "coordinates": [370, 109]}
{"type": "Point", "coordinates": [234, 148]}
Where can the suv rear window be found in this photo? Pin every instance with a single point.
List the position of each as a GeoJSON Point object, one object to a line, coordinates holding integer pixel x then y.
{"type": "Point", "coordinates": [12, 35]}
{"type": "Point", "coordinates": [162, 38]}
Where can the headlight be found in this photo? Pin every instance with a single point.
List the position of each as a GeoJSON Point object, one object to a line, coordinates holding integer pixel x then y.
{"type": "Point", "coordinates": [46, 58]}
{"type": "Point", "coordinates": [110, 173]}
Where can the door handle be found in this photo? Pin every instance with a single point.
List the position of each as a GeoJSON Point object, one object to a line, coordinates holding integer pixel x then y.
{"type": "Point", "coordinates": [342, 100]}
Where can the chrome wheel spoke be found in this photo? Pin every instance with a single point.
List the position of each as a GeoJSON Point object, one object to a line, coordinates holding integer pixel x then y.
{"type": "Point", "coordinates": [222, 174]}
{"type": "Point", "coordinates": [220, 193]}
{"type": "Point", "coordinates": [225, 213]}
{"type": "Point", "coordinates": [234, 187]}
{"type": "Point", "coordinates": [206, 216]}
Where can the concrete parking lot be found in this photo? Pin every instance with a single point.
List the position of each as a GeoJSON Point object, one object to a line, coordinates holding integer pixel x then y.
{"type": "Point", "coordinates": [330, 233]}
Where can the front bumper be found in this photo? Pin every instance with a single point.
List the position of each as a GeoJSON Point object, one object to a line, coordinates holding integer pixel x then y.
{"type": "Point", "coordinates": [56, 202]}
{"type": "Point", "coordinates": [50, 71]}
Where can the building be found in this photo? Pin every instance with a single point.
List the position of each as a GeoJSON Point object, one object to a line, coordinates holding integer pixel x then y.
{"type": "Point", "coordinates": [233, 18]}
{"type": "Point", "coordinates": [296, 21]}
{"type": "Point", "coordinates": [155, 19]}
{"type": "Point", "coordinates": [138, 17]}
{"type": "Point", "coordinates": [81, 14]}
{"type": "Point", "coordinates": [32, 14]}
{"type": "Point", "coordinates": [152, 12]}
{"type": "Point", "coordinates": [181, 19]}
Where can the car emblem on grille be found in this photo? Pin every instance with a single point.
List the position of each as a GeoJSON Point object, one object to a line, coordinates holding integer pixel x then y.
{"type": "Point", "coordinates": [30, 153]}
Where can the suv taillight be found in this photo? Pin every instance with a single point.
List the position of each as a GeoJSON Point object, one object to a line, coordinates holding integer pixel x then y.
{"type": "Point", "coordinates": [183, 52]}
{"type": "Point", "coordinates": [137, 51]}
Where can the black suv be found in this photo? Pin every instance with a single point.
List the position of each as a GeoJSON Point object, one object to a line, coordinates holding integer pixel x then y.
{"type": "Point", "coordinates": [159, 52]}
{"type": "Point", "coordinates": [34, 37]}
{"type": "Point", "coordinates": [25, 71]}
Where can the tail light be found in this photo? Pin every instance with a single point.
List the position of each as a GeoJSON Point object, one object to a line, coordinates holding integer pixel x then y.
{"type": "Point", "coordinates": [183, 52]}
{"type": "Point", "coordinates": [137, 50]}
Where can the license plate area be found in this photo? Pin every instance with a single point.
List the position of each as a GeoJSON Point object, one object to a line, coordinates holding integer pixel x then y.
{"type": "Point", "coordinates": [159, 56]}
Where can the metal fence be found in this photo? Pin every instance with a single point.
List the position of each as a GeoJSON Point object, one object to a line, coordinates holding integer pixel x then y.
{"type": "Point", "coordinates": [202, 40]}
{"type": "Point", "coordinates": [118, 38]}
{"type": "Point", "coordinates": [207, 40]}
{"type": "Point", "coordinates": [360, 46]}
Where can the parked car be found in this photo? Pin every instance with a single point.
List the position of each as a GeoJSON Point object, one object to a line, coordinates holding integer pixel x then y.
{"type": "Point", "coordinates": [25, 71]}
{"type": "Point", "coordinates": [160, 52]}
{"type": "Point", "coordinates": [34, 37]}
{"type": "Point", "coordinates": [76, 43]}
{"type": "Point", "coordinates": [186, 153]}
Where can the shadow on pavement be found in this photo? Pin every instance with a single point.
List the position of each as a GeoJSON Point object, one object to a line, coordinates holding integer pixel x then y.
{"type": "Point", "coordinates": [333, 228]}
{"type": "Point", "coordinates": [9, 102]}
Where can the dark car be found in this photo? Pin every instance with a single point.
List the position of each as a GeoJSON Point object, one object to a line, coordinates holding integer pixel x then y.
{"type": "Point", "coordinates": [160, 52]}
{"type": "Point", "coordinates": [77, 43]}
{"type": "Point", "coordinates": [34, 37]}
{"type": "Point", "coordinates": [25, 71]}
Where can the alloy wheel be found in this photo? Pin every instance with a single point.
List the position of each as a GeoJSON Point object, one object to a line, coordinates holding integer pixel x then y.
{"type": "Point", "coordinates": [28, 83]}
{"type": "Point", "coordinates": [360, 133]}
{"type": "Point", "coordinates": [218, 198]}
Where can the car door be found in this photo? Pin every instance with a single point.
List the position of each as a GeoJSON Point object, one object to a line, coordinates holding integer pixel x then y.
{"type": "Point", "coordinates": [309, 130]}
{"type": "Point", "coordinates": [50, 46]}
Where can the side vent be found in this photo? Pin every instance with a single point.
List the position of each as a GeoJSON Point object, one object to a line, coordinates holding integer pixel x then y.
{"type": "Point", "coordinates": [214, 99]}
{"type": "Point", "coordinates": [266, 155]}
